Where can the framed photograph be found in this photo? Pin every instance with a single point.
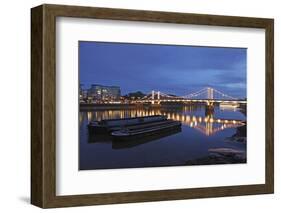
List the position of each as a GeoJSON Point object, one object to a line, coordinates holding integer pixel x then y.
{"type": "Point", "coordinates": [135, 106]}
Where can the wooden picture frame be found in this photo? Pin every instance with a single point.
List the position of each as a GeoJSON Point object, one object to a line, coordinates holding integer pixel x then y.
{"type": "Point", "coordinates": [43, 105]}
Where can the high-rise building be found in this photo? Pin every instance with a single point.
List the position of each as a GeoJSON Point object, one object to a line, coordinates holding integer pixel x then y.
{"type": "Point", "coordinates": [104, 93]}
{"type": "Point", "coordinates": [83, 94]}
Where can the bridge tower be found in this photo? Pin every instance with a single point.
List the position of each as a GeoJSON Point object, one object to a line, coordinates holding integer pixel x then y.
{"type": "Point", "coordinates": [210, 93]}
{"type": "Point", "coordinates": [155, 97]}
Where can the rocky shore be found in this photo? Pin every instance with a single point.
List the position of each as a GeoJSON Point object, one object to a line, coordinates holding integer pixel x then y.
{"type": "Point", "coordinates": [220, 156]}
{"type": "Point", "coordinates": [240, 136]}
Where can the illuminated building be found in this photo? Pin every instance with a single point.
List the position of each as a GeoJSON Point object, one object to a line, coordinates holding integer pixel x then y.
{"type": "Point", "coordinates": [104, 93]}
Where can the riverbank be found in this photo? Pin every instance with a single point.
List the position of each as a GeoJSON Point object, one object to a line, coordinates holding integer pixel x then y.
{"type": "Point", "coordinates": [240, 136]}
{"type": "Point", "coordinates": [96, 107]}
{"type": "Point", "coordinates": [220, 156]}
{"type": "Point", "coordinates": [90, 107]}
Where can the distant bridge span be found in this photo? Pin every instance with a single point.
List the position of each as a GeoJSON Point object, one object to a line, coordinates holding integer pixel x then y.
{"type": "Point", "coordinates": [206, 95]}
{"type": "Point", "coordinates": [192, 101]}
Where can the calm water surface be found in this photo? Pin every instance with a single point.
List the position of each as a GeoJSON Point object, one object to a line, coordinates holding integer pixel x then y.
{"type": "Point", "coordinates": [168, 149]}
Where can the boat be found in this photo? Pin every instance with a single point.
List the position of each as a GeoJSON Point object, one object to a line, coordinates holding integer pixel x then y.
{"type": "Point", "coordinates": [134, 133]}
{"type": "Point", "coordinates": [229, 105]}
{"type": "Point", "coordinates": [110, 125]}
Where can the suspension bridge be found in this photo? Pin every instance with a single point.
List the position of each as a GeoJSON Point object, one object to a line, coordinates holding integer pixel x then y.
{"type": "Point", "coordinates": [206, 95]}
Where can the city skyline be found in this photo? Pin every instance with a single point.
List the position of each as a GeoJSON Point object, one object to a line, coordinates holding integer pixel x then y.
{"type": "Point", "coordinates": [172, 69]}
{"type": "Point", "coordinates": [87, 90]}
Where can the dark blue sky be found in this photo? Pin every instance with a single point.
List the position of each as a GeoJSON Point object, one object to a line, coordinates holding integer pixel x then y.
{"type": "Point", "coordinates": [171, 69]}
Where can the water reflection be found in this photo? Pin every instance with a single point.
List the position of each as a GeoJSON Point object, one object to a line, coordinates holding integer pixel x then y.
{"type": "Point", "coordinates": [143, 140]}
{"type": "Point", "coordinates": [206, 123]}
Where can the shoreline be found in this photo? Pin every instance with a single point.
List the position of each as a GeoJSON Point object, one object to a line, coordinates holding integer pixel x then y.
{"type": "Point", "coordinates": [92, 107]}
{"type": "Point", "coordinates": [221, 156]}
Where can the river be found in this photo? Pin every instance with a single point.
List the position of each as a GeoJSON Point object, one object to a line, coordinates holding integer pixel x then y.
{"type": "Point", "coordinates": [200, 133]}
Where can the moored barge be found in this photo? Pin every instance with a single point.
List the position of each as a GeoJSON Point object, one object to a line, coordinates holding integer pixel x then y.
{"type": "Point", "coordinates": [110, 125]}
{"type": "Point", "coordinates": [134, 133]}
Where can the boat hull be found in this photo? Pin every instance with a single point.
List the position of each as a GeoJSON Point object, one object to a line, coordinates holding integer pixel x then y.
{"type": "Point", "coordinates": [144, 132]}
